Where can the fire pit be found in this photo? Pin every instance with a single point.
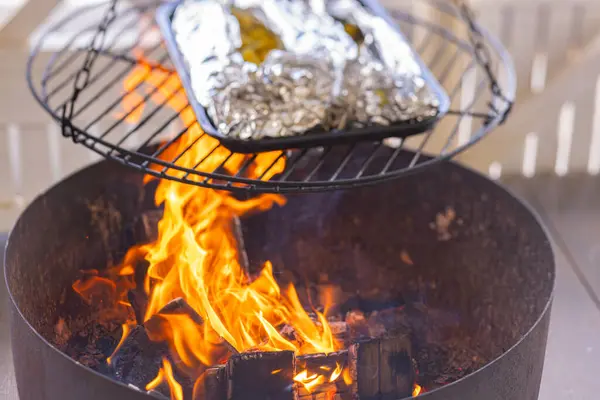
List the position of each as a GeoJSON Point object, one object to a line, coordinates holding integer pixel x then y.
{"type": "Point", "coordinates": [438, 284]}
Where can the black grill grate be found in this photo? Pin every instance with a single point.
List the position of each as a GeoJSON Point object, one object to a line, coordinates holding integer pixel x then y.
{"type": "Point", "coordinates": [94, 116]}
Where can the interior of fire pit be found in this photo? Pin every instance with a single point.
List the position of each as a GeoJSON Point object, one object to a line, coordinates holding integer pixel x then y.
{"type": "Point", "coordinates": [445, 271]}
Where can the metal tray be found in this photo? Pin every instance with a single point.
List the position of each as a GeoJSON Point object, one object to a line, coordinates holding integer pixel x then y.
{"type": "Point", "coordinates": [313, 138]}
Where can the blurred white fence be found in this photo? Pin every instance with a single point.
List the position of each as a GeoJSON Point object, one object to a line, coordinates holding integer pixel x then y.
{"type": "Point", "coordinates": [555, 127]}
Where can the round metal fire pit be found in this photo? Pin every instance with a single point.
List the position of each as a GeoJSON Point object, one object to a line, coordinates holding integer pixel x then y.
{"type": "Point", "coordinates": [448, 236]}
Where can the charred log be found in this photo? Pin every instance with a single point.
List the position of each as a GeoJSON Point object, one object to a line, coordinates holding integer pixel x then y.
{"type": "Point", "coordinates": [212, 385]}
{"type": "Point", "coordinates": [179, 306]}
{"type": "Point", "coordinates": [261, 376]}
{"type": "Point", "coordinates": [382, 368]}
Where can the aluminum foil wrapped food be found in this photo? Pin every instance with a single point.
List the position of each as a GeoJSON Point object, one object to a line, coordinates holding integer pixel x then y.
{"type": "Point", "coordinates": [274, 68]}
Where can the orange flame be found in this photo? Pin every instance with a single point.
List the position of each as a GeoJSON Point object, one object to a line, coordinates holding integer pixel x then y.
{"type": "Point", "coordinates": [166, 374]}
{"type": "Point", "coordinates": [96, 289]}
{"type": "Point", "coordinates": [196, 255]}
{"type": "Point", "coordinates": [309, 381]}
{"type": "Point", "coordinates": [336, 373]}
{"type": "Point", "coordinates": [417, 390]}
{"type": "Point", "coordinates": [126, 331]}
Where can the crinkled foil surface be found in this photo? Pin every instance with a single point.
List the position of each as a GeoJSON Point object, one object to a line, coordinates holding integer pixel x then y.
{"type": "Point", "coordinates": [275, 68]}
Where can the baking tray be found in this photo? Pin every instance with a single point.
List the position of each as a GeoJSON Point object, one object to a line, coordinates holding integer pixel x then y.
{"type": "Point", "coordinates": [315, 137]}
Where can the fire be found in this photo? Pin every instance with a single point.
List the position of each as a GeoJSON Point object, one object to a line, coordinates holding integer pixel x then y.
{"type": "Point", "coordinates": [417, 390]}
{"type": "Point", "coordinates": [196, 257]}
{"type": "Point", "coordinates": [336, 373]}
{"type": "Point", "coordinates": [126, 330]}
{"type": "Point", "coordinates": [309, 381]}
{"type": "Point", "coordinates": [166, 374]}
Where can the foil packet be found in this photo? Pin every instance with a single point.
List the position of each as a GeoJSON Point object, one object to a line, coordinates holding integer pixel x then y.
{"type": "Point", "coordinates": [285, 68]}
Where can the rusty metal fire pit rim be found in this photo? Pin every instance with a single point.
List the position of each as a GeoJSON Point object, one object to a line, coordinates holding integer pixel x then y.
{"type": "Point", "coordinates": [476, 174]}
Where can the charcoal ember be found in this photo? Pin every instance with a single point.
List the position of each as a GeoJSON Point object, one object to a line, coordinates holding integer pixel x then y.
{"type": "Point", "coordinates": [261, 376]}
{"type": "Point", "coordinates": [138, 359]}
{"type": "Point", "coordinates": [382, 368]}
{"type": "Point", "coordinates": [211, 385]}
{"type": "Point", "coordinates": [331, 367]}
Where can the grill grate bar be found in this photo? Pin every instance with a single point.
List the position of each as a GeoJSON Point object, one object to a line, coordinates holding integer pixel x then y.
{"type": "Point", "coordinates": [318, 165]}
{"type": "Point", "coordinates": [187, 148]}
{"type": "Point", "coordinates": [147, 118]}
{"type": "Point", "coordinates": [279, 157]}
{"type": "Point", "coordinates": [142, 103]}
{"type": "Point", "coordinates": [106, 69]}
{"type": "Point", "coordinates": [343, 163]}
{"type": "Point", "coordinates": [119, 100]}
{"type": "Point", "coordinates": [54, 70]}
{"type": "Point", "coordinates": [291, 167]}
{"type": "Point", "coordinates": [246, 165]}
{"type": "Point", "coordinates": [161, 149]}
{"type": "Point", "coordinates": [118, 79]}
{"type": "Point", "coordinates": [457, 125]}
{"type": "Point", "coordinates": [376, 147]}
{"type": "Point", "coordinates": [392, 158]}
{"type": "Point", "coordinates": [203, 159]}
{"type": "Point", "coordinates": [430, 133]}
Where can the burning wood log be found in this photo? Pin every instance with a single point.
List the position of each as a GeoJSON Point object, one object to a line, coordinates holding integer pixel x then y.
{"type": "Point", "coordinates": [261, 376]}
{"type": "Point", "coordinates": [212, 385]}
{"type": "Point", "coordinates": [180, 306]}
{"type": "Point", "coordinates": [339, 329]}
{"type": "Point", "coordinates": [327, 370]}
{"type": "Point", "coordinates": [382, 368]}
{"type": "Point", "coordinates": [138, 300]}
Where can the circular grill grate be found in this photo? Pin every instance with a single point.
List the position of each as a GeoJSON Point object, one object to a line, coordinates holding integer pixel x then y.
{"type": "Point", "coordinates": [121, 104]}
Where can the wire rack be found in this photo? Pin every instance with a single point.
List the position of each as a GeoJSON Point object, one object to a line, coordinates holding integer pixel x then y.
{"type": "Point", "coordinates": [111, 87]}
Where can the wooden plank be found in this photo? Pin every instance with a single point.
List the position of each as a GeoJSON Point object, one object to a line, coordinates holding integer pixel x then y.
{"type": "Point", "coordinates": [382, 368]}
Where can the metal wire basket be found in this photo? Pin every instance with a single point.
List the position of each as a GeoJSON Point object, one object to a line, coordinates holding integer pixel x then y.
{"type": "Point", "coordinates": [113, 89]}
